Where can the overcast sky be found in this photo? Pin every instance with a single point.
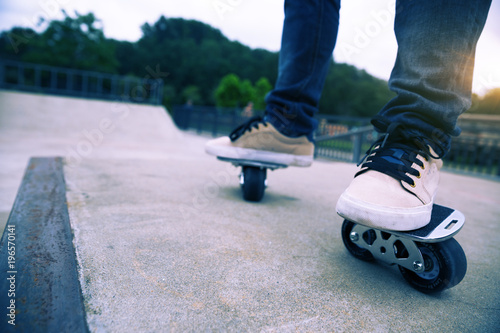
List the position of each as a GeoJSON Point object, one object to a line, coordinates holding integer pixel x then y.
{"type": "Point", "coordinates": [366, 38]}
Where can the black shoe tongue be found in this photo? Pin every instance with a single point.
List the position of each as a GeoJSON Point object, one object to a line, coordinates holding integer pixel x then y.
{"type": "Point", "coordinates": [240, 130]}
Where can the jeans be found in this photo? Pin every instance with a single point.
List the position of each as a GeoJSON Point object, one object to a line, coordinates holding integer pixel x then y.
{"type": "Point", "coordinates": [432, 76]}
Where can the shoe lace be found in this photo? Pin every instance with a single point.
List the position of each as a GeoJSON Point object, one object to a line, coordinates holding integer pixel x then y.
{"type": "Point", "coordinates": [247, 126]}
{"type": "Point", "coordinates": [395, 153]}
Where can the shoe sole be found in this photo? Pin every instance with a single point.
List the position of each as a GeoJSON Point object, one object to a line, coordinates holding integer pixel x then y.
{"type": "Point", "coordinates": [380, 217]}
{"type": "Point", "coordinates": [260, 155]}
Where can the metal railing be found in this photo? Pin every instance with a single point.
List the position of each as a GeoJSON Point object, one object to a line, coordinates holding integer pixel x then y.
{"type": "Point", "coordinates": [209, 119]}
{"type": "Point", "coordinates": [474, 155]}
{"type": "Point", "coordinates": [348, 146]}
{"type": "Point", "coordinates": [79, 83]}
{"type": "Point", "coordinates": [338, 141]}
{"type": "Point", "coordinates": [467, 155]}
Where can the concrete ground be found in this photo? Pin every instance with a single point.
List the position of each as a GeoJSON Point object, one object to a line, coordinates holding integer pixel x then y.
{"type": "Point", "coordinates": [165, 242]}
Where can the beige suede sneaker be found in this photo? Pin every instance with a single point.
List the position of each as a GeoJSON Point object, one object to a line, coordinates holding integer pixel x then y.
{"type": "Point", "coordinates": [395, 188]}
{"type": "Point", "coordinates": [258, 140]}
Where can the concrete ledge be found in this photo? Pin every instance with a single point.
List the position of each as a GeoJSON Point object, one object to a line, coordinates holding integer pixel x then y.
{"type": "Point", "coordinates": [39, 287]}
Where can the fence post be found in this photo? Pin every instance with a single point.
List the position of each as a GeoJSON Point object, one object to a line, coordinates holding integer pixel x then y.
{"type": "Point", "coordinates": [2, 74]}
{"type": "Point", "coordinates": [85, 84]}
{"type": "Point", "coordinates": [113, 86]}
{"type": "Point", "coordinates": [497, 154]}
{"type": "Point", "coordinates": [159, 91]}
{"type": "Point", "coordinates": [126, 89]}
{"type": "Point", "coordinates": [200, 120]}
{"type": "Point", "coordinates": [69, 81]}
{"type": "Point", "coordinates": [53, 80]}
{"type": "Point", "coordinates": [20, 76]}
{"type": "Point", "coordinates": [216, 120]}
{"type": "Point", "coordinates": [99, 85]}
{"type": "Point", "coordinates": [356, 148]}
{"type": "Point", "coordinates": [38, 77]}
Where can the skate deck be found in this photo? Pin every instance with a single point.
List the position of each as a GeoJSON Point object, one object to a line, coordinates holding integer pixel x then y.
{"type": "Point", "coordinates": [164, 242]}
{"type": "Point", "coordinates": [445, 223]}
{"type": "Point", "coordinates": [258, 164]}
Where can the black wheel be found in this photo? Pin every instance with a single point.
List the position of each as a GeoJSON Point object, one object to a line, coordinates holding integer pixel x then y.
{"type": "Point", "coordinates": [254, 183]}
{"type": "Point", "coordinates": [445, 266]}
{"type": "Point", "coordinates": [355, 250]}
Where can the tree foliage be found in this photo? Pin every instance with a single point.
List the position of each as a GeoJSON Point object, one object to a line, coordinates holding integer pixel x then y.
{"type": "Point", "coordinates": [489, 104]}
{"type": "Point", "coordinates": [72, 42]}
{"type": "Point", "coordinates": [352, 92]}
{"type": "Point", "coordinates": [232, 92]}
{"type": "Point", "coordinates": [228, 93]}
{"type": "Point", "coordinates": [194, 59]}
{"type": "Point", "coordinates": [262, 88]}
{"type": "Point", "coordinates": [195, 54]}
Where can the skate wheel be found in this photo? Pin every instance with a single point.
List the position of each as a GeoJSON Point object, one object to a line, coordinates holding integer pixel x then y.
{"type": "Point", "coordinates": [253, 183]}
{"type": "Point", "coordinates": [445, 266]}
{"type": "Point", "coordinates": [356, 251]}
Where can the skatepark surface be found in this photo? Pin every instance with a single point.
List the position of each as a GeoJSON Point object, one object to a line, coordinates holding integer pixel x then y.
{"type": "Point", "coordinates": [165, 243]}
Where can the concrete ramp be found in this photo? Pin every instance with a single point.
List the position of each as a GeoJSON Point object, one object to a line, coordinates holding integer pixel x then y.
{"type": "Point", "coordinates": [165, 243]}
{"type": "Point", "coordinates": [78, 129]}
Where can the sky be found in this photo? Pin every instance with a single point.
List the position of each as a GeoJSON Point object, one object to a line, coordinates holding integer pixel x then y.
{"type": "Point", "coordinates": [366, 38]}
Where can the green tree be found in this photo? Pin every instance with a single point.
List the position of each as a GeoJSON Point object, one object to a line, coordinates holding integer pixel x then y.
{"type": "Point", "coordinates": [188, 52]}
{"type": "Point", "coordinates": [15, 43]}
{"type": "Point", "coordinates": [475, 99]}
{"type": "Point", "coordinates": [74, 42]}
{"type": "Point", "coordinates": [194, 53]}
{"type": "Point", "coordinates": [228, 93]}
{"type": "Point", "coordinates": [262, 88]}
{"type": "Point", "coordinates": [349, 91]}
{"type": "Point", "coordinates": [247, 92]}
{"type": "Point", "coordinates": [490, 103]}
{"type": "Point", "coordinates": [169, 96]}
{"type": "Point", "coordinates": [192, 94]}
{"type": "Point", "coordinates": [192, 58]}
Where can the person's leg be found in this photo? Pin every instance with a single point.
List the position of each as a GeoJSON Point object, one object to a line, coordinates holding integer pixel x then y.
{"type": "Point", "coordinates": [309, 37]}
{"type": "Point", "coordinates": [285, 134]}
{"type": "Point", "coordinates": [432, 77]}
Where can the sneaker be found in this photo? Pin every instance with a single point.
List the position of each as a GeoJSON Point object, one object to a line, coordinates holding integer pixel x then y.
{"type": "Point", "coordinates": [396, 185]}
{"type": "Point", "coordinates": [258, 140]}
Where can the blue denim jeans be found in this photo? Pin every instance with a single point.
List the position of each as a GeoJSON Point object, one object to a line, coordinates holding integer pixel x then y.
{"type": "Point", "coordinates": [432, 76]}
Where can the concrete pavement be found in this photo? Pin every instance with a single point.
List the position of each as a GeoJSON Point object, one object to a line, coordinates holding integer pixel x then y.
{"type": "Point", "coordinates": [165, 242]}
